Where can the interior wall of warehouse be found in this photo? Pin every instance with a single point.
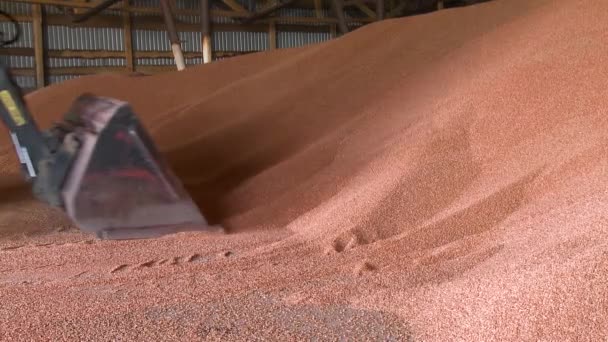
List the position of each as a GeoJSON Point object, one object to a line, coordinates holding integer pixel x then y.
{"type": "Point", "coordinates": [112, 39]}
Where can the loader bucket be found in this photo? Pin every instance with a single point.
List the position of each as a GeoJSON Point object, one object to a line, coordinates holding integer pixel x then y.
{"type": "Point", "coordinates": [119, 186]}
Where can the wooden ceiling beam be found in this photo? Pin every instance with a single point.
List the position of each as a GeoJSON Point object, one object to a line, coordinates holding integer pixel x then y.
{"type": "Point", "coordinates": [98, 7]}
{"type": "Point", "coordinates": [267, 11]}
{"type": "Point", "coordinates": [156, 24]}
{"type": "Point", "coordinates": [365, 9]}
{"type": "Point", "coordinates": [132, 9]}
{"type": "Point", "coordinates": [214, 13]}
{"type": "Point", "coordinates": [235, 6]}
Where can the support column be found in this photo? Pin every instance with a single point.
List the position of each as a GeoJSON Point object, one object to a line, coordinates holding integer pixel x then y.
{"type": "Point", "coordinates": [440, 5]}
{"type": "Point", "coordinates": [173, 37]}
{"type": "Point", "coordinates": [128, 37]}
{"type": "Point", "coordinates": [379, 10]}
{"type": "Point", "coordinates": [272, 35]}
{"type": "Point", "coordinates": [318, 9]}
{"type": "Point", "coordinates": [338, 6]}
{"type": "Point", "coordinates": [39, 59]}
{"type": "Point", "coordinates": [206, 32]}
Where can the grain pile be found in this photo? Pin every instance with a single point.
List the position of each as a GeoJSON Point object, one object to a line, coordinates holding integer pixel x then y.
{"type": "Point", "coordinates": [439, 177]}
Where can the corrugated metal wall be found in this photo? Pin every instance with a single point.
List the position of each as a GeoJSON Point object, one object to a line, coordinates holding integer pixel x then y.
{"type": "Point", "coordinates": [17, 8]}
{"type": "Point", "coordinates": [26, 33]}
{"type": "Point", "coordinates": [111, 39]}
{"type": "Point", "coordinates": [83, 38]}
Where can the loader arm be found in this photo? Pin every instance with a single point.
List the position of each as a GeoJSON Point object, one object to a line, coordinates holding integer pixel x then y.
{"type": "Point", "coordinates": [29, 143]}
{"type": "Point", "coordinates": [99, 166]}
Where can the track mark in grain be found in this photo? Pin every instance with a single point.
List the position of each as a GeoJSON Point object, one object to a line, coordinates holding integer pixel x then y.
{"type": "Point", "coordinates": [11, 248]}
{"type": "Point", "coordinates": [146, 264]}
{"type": "Point", "coordinates": [119, 268]}
{"type": "Point", "coordinates": [194, 258]}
